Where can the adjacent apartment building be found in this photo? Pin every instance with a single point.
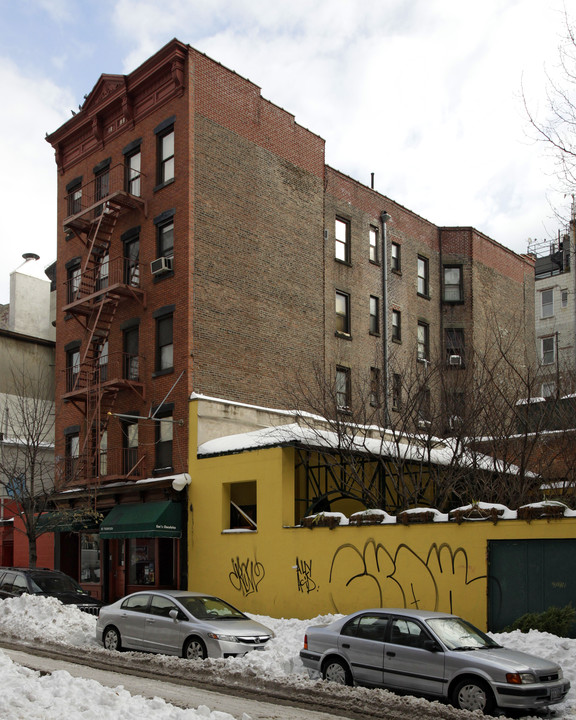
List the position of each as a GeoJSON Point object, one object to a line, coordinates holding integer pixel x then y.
{"type": "Point", "coordinates": [205, 247]}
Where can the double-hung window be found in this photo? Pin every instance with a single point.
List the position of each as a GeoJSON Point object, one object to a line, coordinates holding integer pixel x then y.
{"type": "Point", "coordinates": [131, 353]}
{"type": "Point", "coordinates": [396, 325]}
{"type": "Point", "coordinates": [374, 315]}
{"type": "Point", "coordinates": [101, 183]}
{"type": "Point", "coordinates": [423, 286]}
{"type": "Point", "coordinates": [395, 257]}
{"type": "Point", "coordinates": [72, 364]}
{"type": "Point", "coordinates": [373, 237]}
{"type": "Point", "coordinates": [74, 196]}
{"type": "Point", "coordinates": [164, 437]}
{"type": "Point", "coordinates": [343, 388]}
{"type": "Point", "coordinates": [375, 388]}
{"type": "Point", "coordinates": [548, 350]}
{"type": "Point", "coordinates": [547, 303]}
{"type": "Point", "coordinates": [342, 234]}
{"type": "Point", "coordinates": [71, 451]}
{"type": "Point", "coordinates": [132, 167]}
{"type": "Point", "coordinates": [454, 347]}
{"type": "Point", "coordinates": [342, 312]}
{"type": "Point", "coordinates": [131, 242]}
{"type": "Point", "coordinates": [129, 446]}
{"type": "Point", "coordinates": [453, 291]}
{"type": "Point", "coordinates": [165, 151]}
{"type": "Point", "coordinates": [423, 340]}
{"type": "Point", "coordinates": [164, 338]}
{"type": "Point", "coordinates": [73, 278]}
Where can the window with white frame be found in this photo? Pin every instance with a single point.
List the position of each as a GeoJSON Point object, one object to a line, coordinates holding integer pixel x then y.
{"type": "Point", "coordinates": [423, 340]}
{"type": "Point", "coordinates": [343, 388]}
{"type": "Point", "coordinates": [342, 312]}
{"type": "Point", "coordinates": [548, 389]}
{"type": "Point", "coordinates": [396, 264]}
{"type": "Point", "coordinates": [374, 315]}
{"type": "Point", "coordinates": [342, 234]}
{"type": "Point", "coordinates": [423, 276]}
{"type": "Point", "coordinates": [564, 296]}
{"type": "Point", "coordinates": [547, 303]}
{"type": "Point", "coordinates": [396, 325]}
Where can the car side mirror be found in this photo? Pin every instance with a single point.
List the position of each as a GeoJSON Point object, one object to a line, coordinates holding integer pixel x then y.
{"type": "Point", "coordinates": [431, 645]}
{"type": "Point", "coordinates": [173, 614]}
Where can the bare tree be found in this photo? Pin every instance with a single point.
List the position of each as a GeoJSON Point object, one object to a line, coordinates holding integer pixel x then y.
{"type": "Point", "coordinates": [557, 130]}
{"type": "Point", "coordinates": [27, 449]}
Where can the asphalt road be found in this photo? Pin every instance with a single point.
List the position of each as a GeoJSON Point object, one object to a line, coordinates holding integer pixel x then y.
{"type": "Point", "coordinates": [140, 674]}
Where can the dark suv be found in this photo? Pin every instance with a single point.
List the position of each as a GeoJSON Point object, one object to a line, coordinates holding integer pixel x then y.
{"type": "Point", "coordinates": [51, 583]}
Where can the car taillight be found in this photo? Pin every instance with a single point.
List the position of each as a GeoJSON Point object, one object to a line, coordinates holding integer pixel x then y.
{"type": "Point", "coordinates": [305, 642]}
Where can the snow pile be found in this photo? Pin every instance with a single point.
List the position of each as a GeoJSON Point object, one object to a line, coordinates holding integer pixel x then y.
{"type": "Point", "coordinates": [28, 695]}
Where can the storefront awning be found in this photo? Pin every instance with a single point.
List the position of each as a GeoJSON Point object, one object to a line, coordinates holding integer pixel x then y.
{"type": "Point", "coordinates": [67, 521]}
{"type": "Point", "coordinates": [143, 520]}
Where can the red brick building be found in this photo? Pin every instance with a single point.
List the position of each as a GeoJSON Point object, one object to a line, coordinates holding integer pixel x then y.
{"type": "Point", "coordinates": [204, 246]}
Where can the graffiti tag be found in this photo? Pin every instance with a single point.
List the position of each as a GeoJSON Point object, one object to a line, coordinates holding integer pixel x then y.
{"type": "Point", "coordinates": [246, 576]}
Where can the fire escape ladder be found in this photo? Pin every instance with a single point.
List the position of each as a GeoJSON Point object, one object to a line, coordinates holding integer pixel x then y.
{"type": "Point", "coordinates": [98, 244]}
{"type": "Point", "coordinates": [98, 408]}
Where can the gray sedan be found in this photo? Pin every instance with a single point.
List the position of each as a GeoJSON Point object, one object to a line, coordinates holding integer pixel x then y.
{"type": "Point", "coordinates": [176, 622]}
{"type": "Point", "coordinates": [432, 654]}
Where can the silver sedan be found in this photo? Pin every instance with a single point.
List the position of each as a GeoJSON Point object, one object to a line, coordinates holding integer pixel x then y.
{"type": "Point", "coordinates": [177, 622]}
{"type": "Point", "coordinates": [433, 654]}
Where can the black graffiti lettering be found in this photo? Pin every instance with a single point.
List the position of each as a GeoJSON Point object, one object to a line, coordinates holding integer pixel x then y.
{"type": "Point", "coordinates": [246, 576]}
{"type": "Point", "coordinates": [304, 576]}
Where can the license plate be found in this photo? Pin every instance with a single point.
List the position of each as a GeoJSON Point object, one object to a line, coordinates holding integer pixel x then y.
{"type": "Point", "coordinates": [555, 693]}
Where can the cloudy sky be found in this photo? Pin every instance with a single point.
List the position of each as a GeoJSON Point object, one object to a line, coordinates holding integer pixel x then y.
{"type": "Point", "coordinates": [425, 94]}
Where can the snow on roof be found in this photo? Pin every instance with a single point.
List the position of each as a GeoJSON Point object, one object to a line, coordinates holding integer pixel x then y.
{"type": "Point", "coordinates": [441, 453]}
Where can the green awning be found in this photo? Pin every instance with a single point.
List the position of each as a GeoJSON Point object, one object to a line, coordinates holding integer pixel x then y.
{"type": "Point", "coordinates": [67, 521]}
{"type": "Point", "coordinates": [143, 520]}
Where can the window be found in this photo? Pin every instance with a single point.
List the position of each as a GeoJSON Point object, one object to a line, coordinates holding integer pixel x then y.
{"type": "Point", "coordinates": [423, 276]}
{"type": "Point", "coordinates": [396, 325]}
{"type": "Point", "coordinates": [374, 315]}
{"type": "Point", "coordinates": [164, 437]}
{"type": "Point", "coordinates": [129, 446]}
{"type": "Point", "coordinates": [564, 296]}
{"type": "Point", "coordinates": [343, 388]}
{"type": "Point", "coordinates": [101, 353]}
{"type": "Point", "coordinates": [453, 291]}
{"type": "Point", "coordinates": [548, 350]}
{"type": "Point", "coordinates": [131, 359]}
{"type": "Point", "coordinates": [103, 272]}
{"type": "Point", "coordinates": [133, 162]}
{"type": "Point", "coordinates": [71, 452]}
{"type": "Point", "coordinates": [423, 407]}
{"type": "Point", "coordinates": [547, 303]}
{"type": "Point", "coordinates": [164, 340]}
{"type": "Point", "coordinates": [89, 557]}
{"type": "Point", "coordinates": [374, 254]}
{"type": "Point", "coordinates": [454, 347]}
{"type": "Point", "coordinates": [342, 313]}
{"type": "Point", "coordinates": [103, 456]}
{"type": "Point", "coordinates": [342, 249]}
{"type": "Point", "coordinates": [72, 365]}
{"type": "Point", "coordinates": [375, 387]}
{"type": "Point", "coordinates": [396, 391]}
{"type": "Point", "coordinates": [102, 188]}
{"type": "Point", "coordinates": [165, 149]}
{"type": "Point", "coordinates": [242, 499]}
{"type": "Point", "coordinates": [165, 239]}
{"type": "Point", "coordinates": [132, 257]}
{"type": "Point", "coordinates": [74, 196]}
{"type": "Point", "coordinates": [73, 278]}
{"type": "Point", "coordinates": [548, 389]}
{"type": "Point", "coordinates": [423, 341]}
{"type": "Point", "coordinates": [396, 265]}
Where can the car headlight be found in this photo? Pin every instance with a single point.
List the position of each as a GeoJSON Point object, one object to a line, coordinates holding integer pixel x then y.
{"type": "Point", "coordinates": [520, 678]}
{"type": "Point", "coordinates": [225, 638]}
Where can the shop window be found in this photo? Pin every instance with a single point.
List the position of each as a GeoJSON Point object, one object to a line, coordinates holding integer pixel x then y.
{"type": "Point", "coordinates": [89, 558]}
{"type": "Point", "coordinates": [142, 567]}
{"type": "Point", "coordinates": [241, 500]}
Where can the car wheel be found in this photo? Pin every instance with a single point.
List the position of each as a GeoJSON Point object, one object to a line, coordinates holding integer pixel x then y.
{"type": "Point", "coordinates": [194, 649]}
{"type": "Point", "coordinates": [473, 694]}
{"type": "Point", "coordinates": [111, 639]}
{"type": "Point", "coordinates": [336, 671]}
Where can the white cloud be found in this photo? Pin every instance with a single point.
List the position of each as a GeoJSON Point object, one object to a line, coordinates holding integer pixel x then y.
{"type": "Point", "coordinates": [28, 181]}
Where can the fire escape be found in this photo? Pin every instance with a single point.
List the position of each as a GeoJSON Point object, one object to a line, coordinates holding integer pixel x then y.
{"type": "Point", "coordinates": [94, 290]}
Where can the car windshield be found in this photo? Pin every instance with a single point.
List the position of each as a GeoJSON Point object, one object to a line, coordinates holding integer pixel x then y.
{"type": "Point", "coordinates": [53, 584]}
{"type": "Point", "coordinates": [210, 608]}
{"type": "Point", "coordinates": [458, 634]}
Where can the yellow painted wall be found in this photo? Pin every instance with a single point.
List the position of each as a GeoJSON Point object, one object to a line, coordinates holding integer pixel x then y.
{"type": "Point", "coordinates": [286, 571]}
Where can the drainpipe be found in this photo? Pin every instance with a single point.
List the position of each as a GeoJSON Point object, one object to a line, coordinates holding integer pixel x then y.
{"type": "Point", "coordinates": [384, 218]}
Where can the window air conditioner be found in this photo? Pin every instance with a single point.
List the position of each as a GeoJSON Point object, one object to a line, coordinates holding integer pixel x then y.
{"type": "Point", "coordinates": [161, 265]}
{"type": "Point", "coordinates": [455, 360]}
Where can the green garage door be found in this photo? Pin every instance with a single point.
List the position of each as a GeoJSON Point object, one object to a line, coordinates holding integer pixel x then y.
{"type": "Point", "coordinates": [529, 576]}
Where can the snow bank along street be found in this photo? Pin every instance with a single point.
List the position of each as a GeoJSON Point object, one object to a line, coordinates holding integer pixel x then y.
{"type": "Point", "coordinates": [29, 695]}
